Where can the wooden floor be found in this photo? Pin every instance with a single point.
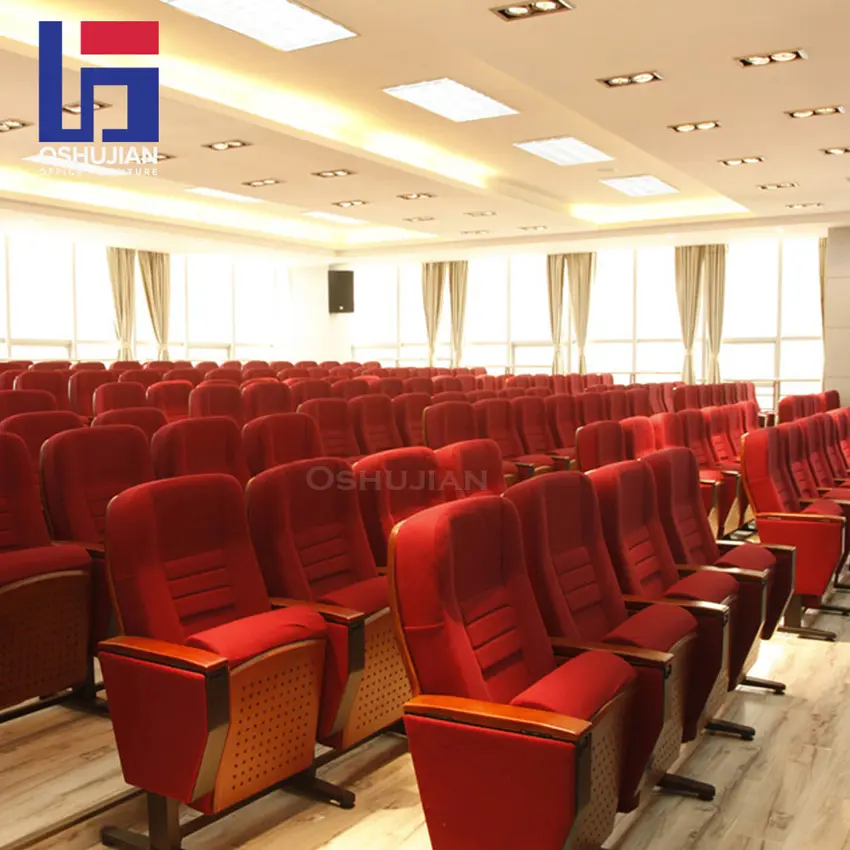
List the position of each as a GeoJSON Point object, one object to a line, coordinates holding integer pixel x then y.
{"type": "Point", "coordinates": [787, 790]}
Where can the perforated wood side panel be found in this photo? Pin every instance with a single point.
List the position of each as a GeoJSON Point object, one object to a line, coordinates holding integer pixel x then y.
{"type": "Point", "coordinates": [44, 635]}
{"type": "Point", "coordinates": [384, 688]}
{"type": "Point", "coordinates": [670, 740]}
{"type": "Point", "coordinates": [720, 689]}
{"type": "Point", "coordinates": [274, 712]}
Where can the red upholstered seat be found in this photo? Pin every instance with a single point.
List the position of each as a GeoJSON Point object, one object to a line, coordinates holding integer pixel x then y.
{"type": "Point", "coordinates": [563, 421]}
{"type": "Point", "coordinates": [115, 396]}
{"type": "Point", "coordinates": [838, 466]}
{"type": "Point", "coordinates": [532, 425]}
{"type": "Point", "coordinates": [13, 402]}
{"type": "Point", "coordinates": [590, 407]}
{"type": "Point", "coordinates": [389, 386]}
{"type": "Point", "coordinates": [495, 421]}
{"type": "Point", "coordinates": [124, 366]}
{"type": "Point", "coordinates": [159, 365]}
{"type": "Point", "coordinates": [716, 420]}
{"type": "Point", "coordinates": [616, 405]}
{"type": "Point", "coordinates": [172, 398]}
{"type": "Point", "coordinates": [149, 419]}
{"type": "Point", "coordinates": [830, 400]}
{"type": "Point", "coordinates": [351, 388]}
{"type": "Point", "coordinates": [212, 444]}
{"type": "Point", "coordinates": [448, 395]}
{"type": "Point", "coordinates": [280, 438]}
{"type": "Point", "coordinates": [408, 410]}
{"type": "Point", "coordinates": [8, 378]}
{"type": "Point", "coordinates": [686, 397]}
{"type": "Point", "coordinates": [419, 385]}
{"type": "Point", "coordinates": [53, 381]}
{"type": "Point", "coordinates": [447, 383]}
{"type": "Point", "coordinates": [841, 418]}
{"type": "Point", "coordinates": [264, 399]}
{"type": "Point", "coordinates": [600, 443]}
{"type": "Point", "coordinates": [145, 377]}
{"type": "Point", "coordinates": [51, 366]}
{"type": "Point", "coordinates": [336, 430]}
{"type": "Point", "coordinates": [790, 408]}
{"type": "Point", "coordinates": [639, 401]}
{"type": "Point", "coordinates": [217, 399]}
{"type": "Point", "coordinates": [815, 428]}
{"type": "Point", "coordinates": [193, 376]}
{"type": "Point", "coordinates": [476, 641]}
{"type": "Point", "coordinates": [231, 375]}
{"type": "Point", "coordinates": [473, 467]}
{"type": "Point", "coordinates": [81, 389]}
{"type": "Point", "coordinates": [309, 389]}
{"type": "Point", "coordinates": [341, 373]}
{"type": "Point", "coordinates": [36, 428]}
{"type": "Point", "coordinates": [448, 422]}
{"type": "Point", "coordinates": [639, 435]}
{"type": "Point", "coordinates": [311, 545]}
{"type": "Point", "coordinates": [486, 382]}
{"type": "Point", "coordinates": [374, 423]}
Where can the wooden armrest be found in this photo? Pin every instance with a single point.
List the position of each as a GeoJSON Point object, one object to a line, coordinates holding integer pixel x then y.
{"type": "Point", "coordinates": [696, 607]}
{"type": "Point", "coordinates": [778, 515]}
{"type": "Point", "coordinates": [738, 573]}
{"type": "Point", "coordinates": [332, 613]}
{"type": "Point", "coordinates": [164, 653]}
{"type": "Point", "coordinates": [635, 655]}
{"type": "Point", "coordinates": [774, 548]}
{"type": "Point", "coordinates": [96, 550]}
{"type": "Point", "coordinates": [508, 718]}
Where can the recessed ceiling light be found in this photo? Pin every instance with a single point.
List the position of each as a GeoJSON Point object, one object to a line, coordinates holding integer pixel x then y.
{"type": "Point", "coordinates": [162, 157]}
{"type": "Point", "coordinates": [419, 218]}
{"type": "Point", "coordinates": [695, 125]}
{"type": "Point", "coordinates": [279, 23]}
{"type": "Point", "coordinates": [803, 206]}
{"type": "Point", "coordinates": [746, 160]}
{"type": "Point", "coordinates": [778, 58]}
{"type": "Point", "coordinates": [819, 110]}
{"type": "Point", "coordinates": [639, 79]}
{"type": "Point", "coordinates": [473, 232]}
{"type": "Point", "coordinates": [350, 203]}
{"type": "Point", "coordinates": [481, 213]}
{"type": "Point", "coordinates": [836, 151]}
{"type": "Point", "coordinates": [68, 165]}
{"type": "Point", "coordinates": [518, 11]}
{"type": "Point", "coordinates": [563, 150]}
{"type": "Point", "coordinates": [222, 196]}
{"type": "Point", "coordinates": [76, 108]}
{"type": "Point", "coordinates": [231, 144]}
{"type": "Point", "coordinates": [339, 172]}
{"type": "Point", "coordinates": [640, 185]}
{"type": "Point", "coordinates": [9, 124]}
{"type": "Point", "coordinates": [258, 184]}
{"type": "Point", "coordinates": [451, 99]}
{"type": "Point", "coordinates": [536, 228]}
{"type": "Point", "coordinates": [334, 217]}
{"type": "Point", "coordinates": [772, 187]}
{"type": "Point", "coordinates": [416, 196]}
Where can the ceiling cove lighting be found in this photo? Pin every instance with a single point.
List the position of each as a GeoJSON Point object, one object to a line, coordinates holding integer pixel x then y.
{"type": "Point", "coordinates": [781, 57]}
{"type": "Point", "coordinates": [804, 206]}
{"type": "Point", "coordinates": [474, 232]}
{"type": "Point", "coordinates": [563, 150]}
{"type": "Point", "coordinates": [536, 228]}
{"type": "Point", "coordinates": [836, 151]}
{"type": "Point", "coordinates": [222, 196]}
{"type": "Point", "coordinates": [230, 145]}
{"type": "Point", "coordinates": [640, 186]}
{"type": "Point", "coordinates": [481, 213]}
{"type": "Point", "coordinates": [75, 167]}
{"type": "Point", "coordinates": [334, 217]}
{"type": "Point", "coordinates": [339, 172]}
{"type": "Point", "coordinates": [817, 110]}
{"type": "Point", "coordinates": [76, 108]}
{"type": "Point", "coordinates": [519, 11]}
{"type": "Point", "coordinates": [695, 126]}
{"type": "Point", "coordinates": [451, 99]}
{"type": "Point", "coordinates": [624, 80]}
{"type": "Point", "coordinates": [417, 219]}
{"type": "Point", "coordinates": [259, 184]}
{"type": "Point", "coordinates": [346, 204]}
{"type": "Point", "coordinates": [772, 187]}
{"type": "Point", "coordinates": [7, 125]}
{"type": "Point", "coordinates": [279, 23]}
{"type": "Point", "coordinates": [744, 160]}
{"type": "Point", "coordinates": [416, 196]}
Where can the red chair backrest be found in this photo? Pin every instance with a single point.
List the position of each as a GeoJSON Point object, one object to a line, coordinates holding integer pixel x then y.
{"type": "Point", "coordinates": [117, 395]}
{"type": "Point", "coordinates": [171, 397]}
{"type": "Point", "coordinates": [374, 423]}
{"type": "Point", "coordinates": [13, 402]}
{"type": "Point", "coordinates": [265, 398]}
{"type": "Point", "coordinates": [471, 468]}
{"type": "Point", "coordinates": [409, 409]}
{"type": "Point", "coordinates": [616, 404]}
{"type": "Point", "coordinates": [696, 437]}
{"type": "Point", "coordinates": [149, 419]}
{"type": "Point", "coordinates": [280, 438]}
{"type": "Point", "coordinates": [532, 425]}
{"type": "Point", "coordinates": [53, 381]}
{"type": "Point", "coordinates": [563, 419]}
{"type": "Point", "coordinates": [81, 389]}
{"type": "Point", "coordinates": [766, 472]}
{"type": "Point", "coordinates": [350, 388]}
{"type": "Point", "coordinates": [145, 377]}
{"type": "Point", "coordinates": [448, 422]}
{"type": "Point", "coordinates": [193, 376]}
{"type": "Point", "coordinates": [336, 430]}
{"type": "Point", "coordinates": [599, 444]}
{"type": "Point", "coordinates": [590, 407]}
{"type": "Point", "coordinates": [639, 435]}
{"type": "Point", "coordinates": [217, 399]}
{"type": "Point", "coordinates": [494, 420]}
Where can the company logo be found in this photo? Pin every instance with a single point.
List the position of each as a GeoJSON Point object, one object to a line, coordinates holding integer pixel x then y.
{"type": "Point", "coordinates": [101, 38]}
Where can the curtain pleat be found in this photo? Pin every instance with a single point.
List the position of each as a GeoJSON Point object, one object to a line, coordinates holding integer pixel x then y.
{"type": "Point", "coordinates": [121, 275]}
{"type": "Point", "coordinates": [581, 270]}
{"type": "Point", "coordinates": [432, 300]}
{"type": "Point", "coordinates": [689, 262]}
{"type": "Point", "coordinates": [555, 279]}
{"type": "Point", "coordinates": [714, 274]}
{"type": "Point", "coordinates": [156, 276]}
{"type": "Point", "coordinates": [458, 276]}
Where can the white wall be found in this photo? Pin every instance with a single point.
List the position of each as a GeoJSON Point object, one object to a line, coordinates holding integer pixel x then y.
{"type": "Point", "coordinates": [312, 332]}
{"type": "Point", "coordinates": [836, 331]}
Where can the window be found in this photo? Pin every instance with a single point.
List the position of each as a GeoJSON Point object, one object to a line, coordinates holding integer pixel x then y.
{"type": "Point", "coordinates": [530, 300]}
{"type": "Point", "coordinates": [612, 299]}
{"type": "Point", "coordinates": [95, 309]}
{"type": "Point", "coordinates": [376, 297]}
{"type": "Point", "coordinates": [210, 299]}
{"type": "Point", "coordinates": [752, 290]}
{"type": "Point", "coordinates": [254, 297]}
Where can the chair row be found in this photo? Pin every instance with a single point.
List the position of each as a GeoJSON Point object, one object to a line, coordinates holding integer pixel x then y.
{"type": "Point", "coordinates": [797, 406]}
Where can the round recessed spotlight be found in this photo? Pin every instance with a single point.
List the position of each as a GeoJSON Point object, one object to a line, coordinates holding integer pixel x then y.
{"type": "Point", "coordinates": [733, 161]}
{"type": "Point", "coordinates": [758, 60]}
{"type": "Point", "coordinates": [753, 160]}
{"type": "Point", "coordinates": [706, 125]}
{"type": "Point", "coordinates": [220, 146]}
{"type": "Point", "coordinates": [803, 113]}
{"type": "Point", "coordinates": [685, 128]}
{"type": "Point", "coordinates": [619, 81]}
{"type": "Point", "coordinates": [643, 78]}
{"type": "Point", "coordinates": [836, 151]}
{"type": "Point", "coordinates": [546, 5]}
{"type": "Point", "coordinates": [825, 110]}
{"type": "Point", "coordinates": [783, 56]}
{"type": "Point", "coordinates": [517, 11]}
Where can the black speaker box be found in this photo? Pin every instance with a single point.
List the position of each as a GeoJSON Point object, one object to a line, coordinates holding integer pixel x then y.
{"type": "Point", "coordinates": [340, 292]}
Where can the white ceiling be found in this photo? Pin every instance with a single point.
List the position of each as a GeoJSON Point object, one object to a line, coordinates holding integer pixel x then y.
{"type": "Point", "coordinates": [324, 108]}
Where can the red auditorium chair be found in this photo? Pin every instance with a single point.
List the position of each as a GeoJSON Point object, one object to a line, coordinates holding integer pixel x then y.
{"type": "Point", "coordinates": [706, 395]}
{"type": "Point", "coordinates": [365, 685]}
{"type": "Point", "coordinates": [448, 422]}
{"type": "Point", "coordinates": [599, 444]}
{"type": "Point", "coordinates": [149, 419]}
{"type": "Point", "coordinates": [761, 602]}
{"type": "Point", "coordinates": [341, 373]}
{"type": "Point", "coordinates": [259, 373]}
{"type": "Point", "coordinates": [217, 399]}
{"type": "Point", "coordinates": [118, 395]}
{"type": "Point", "coordinates": [486, 382]}
{"type": "Point", "coordinates": [656, 399]}
{"type": "Point", "coordinates": [206, 366]}
{"type": "Point", "coordinates": [192, 674]}
{"type": "Point", "coordinates": [88, 366]}
{"type": "Point", "coordinates": [495, 421]}
{"type": "Point", "coordinates": [51, 366]}
{"type": "Point", "coordinates": [511, 392]}
{"type": "Point", "coordinates": [736, 426]}
{"type": "Point", "coordinates": [750, 411]}
{"type": "Point", "coordinates": [233, 376]}
{"type": "Point", "coordinates": [255, 364]}
{"type": "Point", "coordinates": [350, 388]}
{"type": "Point", "coordinates": [686, 397]}
{"type": "Point", "coordinates": [15, 365]}
{"type": "Point", "coordinates": [467, 382]}
{"type": "Point", "coordinates": [212, 444]}
{"type": "Point", "coordinates": [812, 405]}
{"type": "Point", "coordinates": [841, 417]}
{"type": "Point", "coordinates": [616, 404]}
{"type": "Point", "coordinates": [389, 386]}
{"type": "Point", "coordinates": [159, 365]}
{"type": "Point", "coordinates": [472, 468]}
{"type": "Point", "coordinates": [720, 436]}
{"type": "Point", "coordinates": [563, 421]}
{"type": "Point", "coordinates": [45, 596]}
{"type": "Point", "coordinates": [8, 378]}
{"type": "Point", "coordinates": [583, 608]}
{"type": "Point", "coordinates": [638, 402]}
{"type": "Point", "coordinates": [193, 376]}
{"type": "Point", "coordinates": [309, 389]}
{"type": "Point", "coordinates": [265, 398]}
{"type": "Point", "coordinates": [81, 470]}
{"type": "Point", "coordinates": [838, 466]}
{"type": "Point", "coordinates": [590, 407]}
{"type": "Point", "coordinates": [575, 384]}
{"type": "Point", "coordinates": [523, 723]}
{"type": "Point", "coordinates": [392, 486]}
{"type": "Point", "coordinates": [329, 364]}
{"type": "Point", "coordinates": [336, 431]}
{"type": "Point", "coordinates": [790, 408]}
{"type": "Point", "coordinates": [448, 395]}
{"type": "Point", "coordinates": [480, 395]}
{"type": "Point", "coordinates": [447, 383]}
{"type": "Point", "coordinates": [815, 428]}
{"type": "Point", "coordinates": [234, 364]}
{"type": "Point", "coordinates": [172, 398]}
{"type": "Point", "coordinates": [374, 423]}
{"type": "Point", "coordinates": [532, 424]}
{"type": "Point", "coordinates": [640, 437]}
{"type": "Point", "coordinates": [523, 381]}
{"type": "Point", "coordinates": [645, 569]}
{"type": "Point", "coordinates": [816, 530]}
{"type": "Point", "coordinates": [81, 389]}
{"type": "Point", "coordinates": [539, 392]}
{"type": "Point", "coordinates": [281, 365]}
{"type": "Point", "coordinates": [53, 381]}
{"type": "Point", "coordinates": [730, 395]}
{"type": "Point", "coordinates": [830, 400]}
{"type": "Point", "coordinates": [798, 461]}
{"type": "Point", "coordinates": [280, 438]}
{"type": "Point", "coordinates": [13, 402]}
{"type": "Point", "coordinates": [318, 373]}
{"type": "Point", "coordinates": [409, 410]}
{"type": "Point", "coordinates": [145, 377]}
{"type": "Point", "coordinates": [182, 364]}
{"type": "Point", "coordinates": [36, 428]}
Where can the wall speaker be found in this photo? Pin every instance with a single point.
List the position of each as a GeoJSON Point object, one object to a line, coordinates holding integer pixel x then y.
{"type": "Point", "coordinates": [340, 292]}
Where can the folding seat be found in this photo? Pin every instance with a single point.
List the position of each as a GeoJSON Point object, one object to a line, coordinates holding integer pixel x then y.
{"type": "Point", "coordinates": [265, 398]}
{"type": "Point", "coordinates": [51, 366]}
{"type": "Point", "coordinates": [736, 425]}
{"type": "Point", "coordinates": [494, 420]}
{"type": "Point", "coordinates": [472, 468]}
{"type": "Point", "coordinates": [790, 408]}
{"type": "Point", "coordinates": [88, 366]}
{"type": "Point", "coordinates": [409, 409]}
{"type": "Point", "coordinates": [280, 438]}
{"type": "Point", "coordinates": [841, 418]}
{"type": "Point", "coordinates": [616, 405]}
{"type": "Point", "coordinates": [448, 395]}
{"type": "Point", "coordinates": [750, 412]}
{"type": "Point", "coordinates": [667, 389]}
{"type": "Point", "coordinates": [716, 395]}
{"type": "Point", "coordinates": [388, 386]}
{"type": "Point", "coordinates": [193, 376]}
{"type": "Point", "coordinates": [811, 405]}
{"type": "Point", "coordinates": [563, 421]}
{"type": "Point", "coordinates": [760, 604]}
{"type": "Point", "coordinates": [375, 424]}
{"type": "Point", "coordinates": [448, 422]}
{"type": "Point", "coordinates": [640, 437]}
{"type": "Point", "coordinates": [706, 395]}
{"type": "Point", "coordinates": [36, 428]}
{"type": "Point", "coordinates": [686, 397]}
{"type": "Point", "coordinates": [486, 382]}
{"type": "Point", "coordinates": [511, 392]}
{"type": "Point", "coordinates": [524, 381]}
{"type": "Point", "coordinates": [478, 370]}
{"type": "Point", "coordinates": [559, 384]}
{"type": "Point", "coordinates": [13, 402]}
{"type": "Point", "coordinates": [282, 365]}
{"type": "Point", "coordinates": [394, 485]}
{"type": "Point", "coordinates": [145, 377]}
{"type": "Point", "coordinates": [532, 423]}
{"type": "Point", "coordinates": [600, 443]}
{"type": "Point", "coordinates": [318, 373]}
{"type": "Point", "coordinates": [645, 568]}
{"type": "Point", "coordinates": [149, 419]}
{"type": "Point", "coordinates": [730, 396]}
{"type": "Point", "coordinates": [8, 378]}
{"type": "Point", "coordinates": [638, 402]}
{"type": "Point", "coordinates": [117, 395]}
{"type": "Point", "coordinates": [541, 380]}
{"type": "Point", "coordinates": [172, 398]}
{"type": "Point", "coordinates": [596, 388]}
{"type": "Point", "coordinates": [351, 388]}
{"type": "Point", "coordinates": [81, 389]}
{"type": "Point", "coordinates": [480, 395]}
{"type": "Point", "coordinates": [336, 430]}
{"type": "Point", "coordinates": [217, 399]}
{"type": "Point", "coordinates": [329, 364]}
{"type": "Point", "coordinates": [830, 400]}
{"type": "Point", "coordinates": [575, 385]}
{"type": "Point", "coordinates": [200, 447]}
{"type": "Point", "coordinates": [668, 430]}
{"type": "Point", "coordinates": [582, 605]}
{"type": "Point", "coordinates": [371, 364]}
{"type": "Point", "coordinates": [159, 365]}
{"type": "Point", "coordinates": [816, 530]}
{"type": "Point", "coordinates": [375, 372]}
{"type": "Point", "coordinates": [124, 366]}
{"type": "Point", "coordinates": [590, 408]}
{"type": "Point", "coordinates": [182, 364]}
{"type": "Point", "coordinates": [477, 652]}
{"type": "Point", "coordinates": [234, 376]}
{"type": "Point", "coordinates": [81, 470]}
{"type": "Point", "coordinates": [255, 364]}
{"type": "Point", "coordinates": [309, 389]}
{"type": "Point", "coordinates": [446, 383]}
{"type": "Point", "coordinates": [15, 366]}
{"type": "Point", "coordinates": [235, 365]}
{"type": "Point", "coordinates": [54, 381]}
{"type": "Point", "coordinates": [205, 366]}
{"type": "Point", "coordinates": [815, 428]}
{"type": "Point", "coordinates": [723, 446]}
{"type": "Point", "coordinates": [191, 682]}
{"type": "Point", "coordinates": [539, 392]}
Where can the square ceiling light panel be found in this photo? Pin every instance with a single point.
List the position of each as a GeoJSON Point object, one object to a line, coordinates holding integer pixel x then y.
{"type": "Point", "coordinates": [279, 23]}
{"type": "Point", "coordinates": [564, 151]}
{"type": "Point", "coordinates": [640, 186]}
{"type": "Point", "coordinates": [451, 99]}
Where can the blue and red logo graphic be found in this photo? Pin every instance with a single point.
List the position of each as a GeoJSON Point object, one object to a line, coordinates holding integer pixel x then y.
{"type": "Point", "coordinates": [100, 38]}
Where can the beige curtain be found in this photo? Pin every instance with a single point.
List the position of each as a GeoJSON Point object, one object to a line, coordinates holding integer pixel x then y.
{"type": "Point", "coordinates": [458, 275]}
{"type": "Point", "coordinates": [822, 243]}
{"type": "Point", "coordinates": [714, 276]}
{"type": "Point", "coordinates": [432, 299]}
{"type": "Point", "coordinates": [689, 262]}
{"type": "Point", "coordinates": [156, 276]}
{"type": "Point", "coordinates": [555, 277]}
{"type": "Point", "coordinates": [581, 271]}
{"type": "Point", "coordinates": [121, 275]}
